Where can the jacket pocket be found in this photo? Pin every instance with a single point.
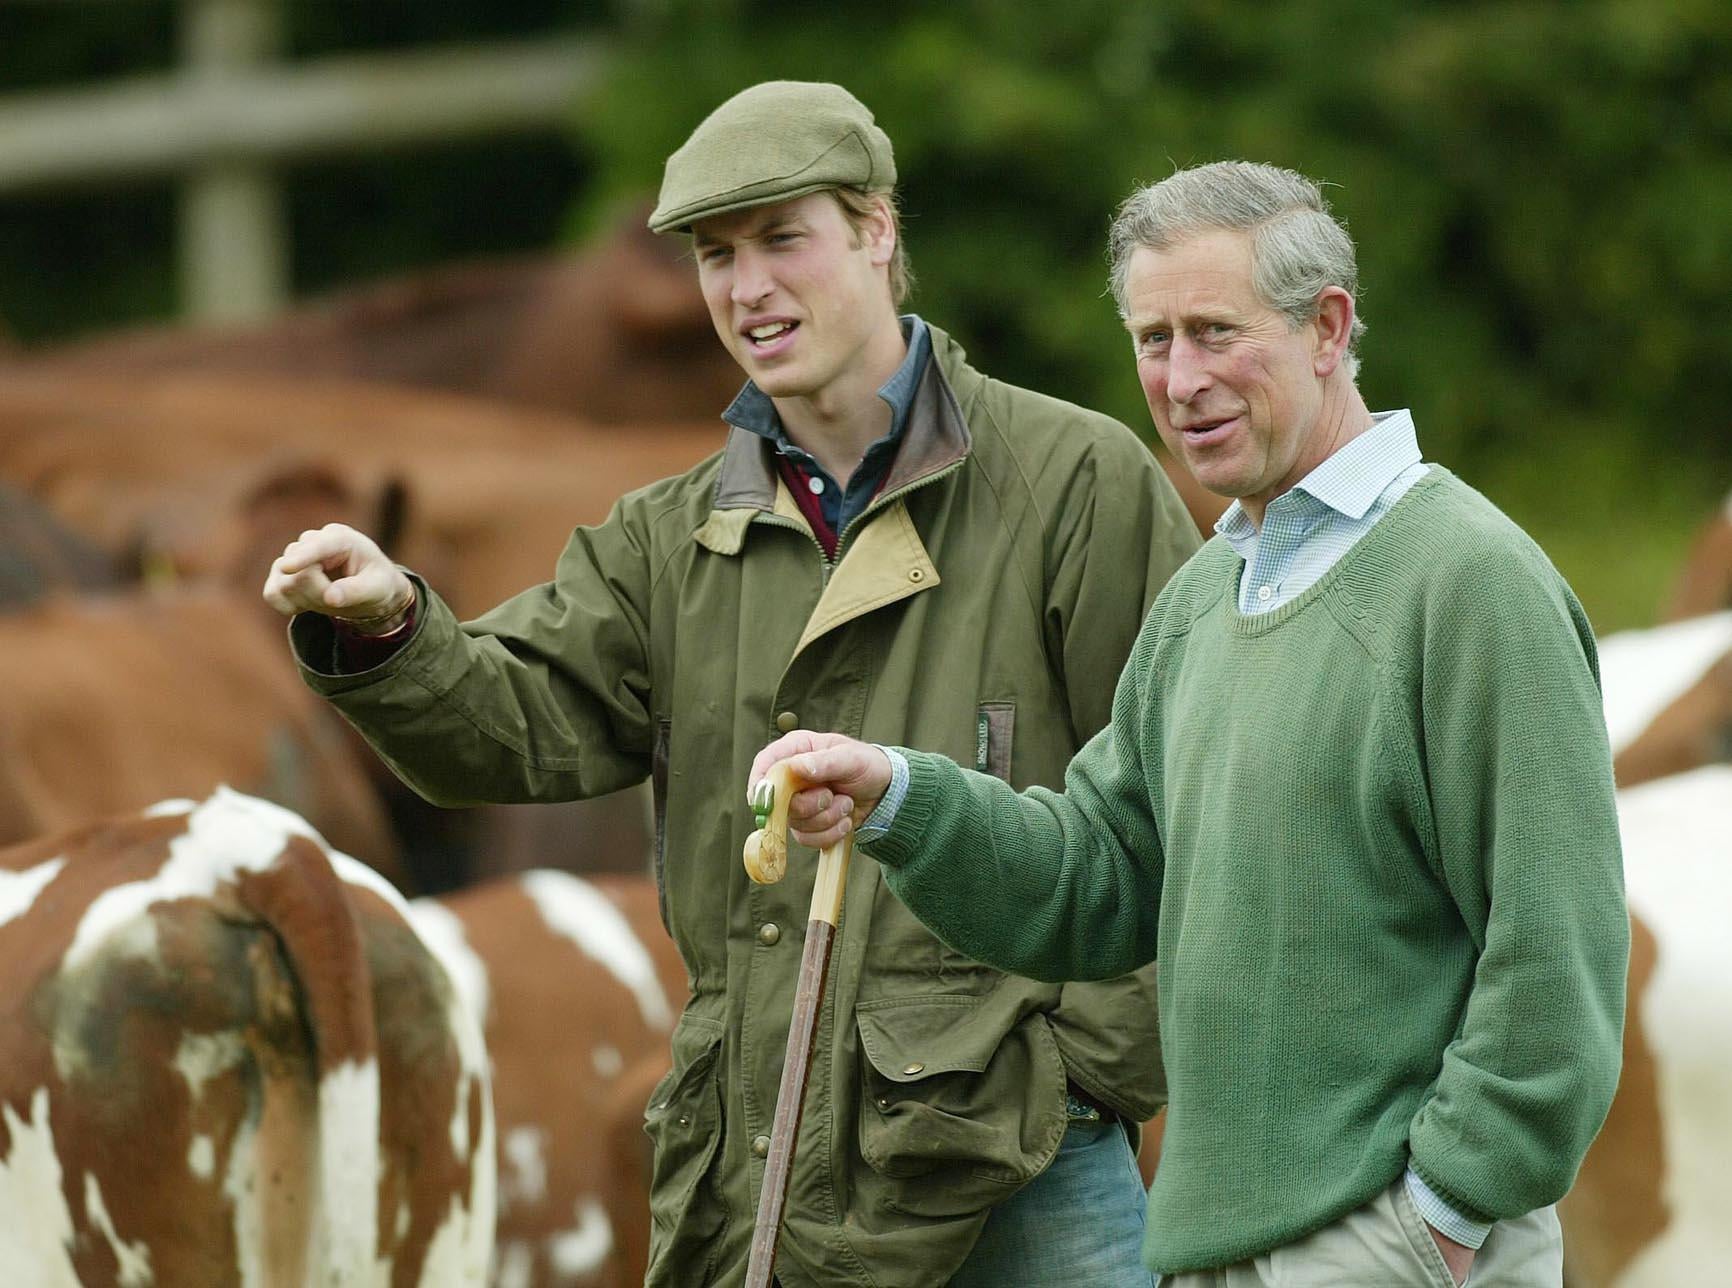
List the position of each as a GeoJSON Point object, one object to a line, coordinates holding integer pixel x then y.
{"type": "Point", "coordinates": [962, 1101]}
{"type": "Point", "coordinates": [995, 726]}
{"type": "Point", "coordinates": [684, 1123]}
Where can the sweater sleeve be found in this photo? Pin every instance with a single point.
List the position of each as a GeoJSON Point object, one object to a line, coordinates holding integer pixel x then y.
{"type": "Point", "coordinates": [1518, 777]}
{"type": "Point", "coordinates": [1055, 886]}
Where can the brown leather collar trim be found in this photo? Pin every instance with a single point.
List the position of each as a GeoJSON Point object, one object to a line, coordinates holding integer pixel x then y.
{"type": "Point", "coordinates": [937, 435]}
{"type": "Point", "coordinates": [936, 438]}
{"type": "Point", "coordinates": [747, 479]}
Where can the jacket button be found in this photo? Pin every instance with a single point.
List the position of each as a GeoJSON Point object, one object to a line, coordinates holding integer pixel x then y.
{"type": "Point", "coordinates": [884, 1102]}
{"type": "Point", "coordinates": [913, 1067]}
{"type": "Point", "coordinates": [915, 574]}
{"type": "Point", "coordinates": [769, 933]}
{"type": "Point", "coordinates": [761, 1146]}
{"type": "Point", "coordinates": [787, 722]}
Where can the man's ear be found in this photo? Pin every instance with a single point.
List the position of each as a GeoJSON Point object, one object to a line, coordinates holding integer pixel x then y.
{"type": "Point", "coordinates": [879, 231]}
{"type": "Point", "coordinates": [1334, 324]}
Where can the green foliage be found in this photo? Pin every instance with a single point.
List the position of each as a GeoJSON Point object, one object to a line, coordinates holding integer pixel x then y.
{"type": "Point", "coordinates": [1541, 193]}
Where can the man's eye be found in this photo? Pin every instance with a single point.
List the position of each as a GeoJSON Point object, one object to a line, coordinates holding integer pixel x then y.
{"type": "Point", "coordinates": [711, 254]}
{"type": "Point", "coordinates": [1149, 341]}
{"type": "Point", "coordinates": [1217, 330]}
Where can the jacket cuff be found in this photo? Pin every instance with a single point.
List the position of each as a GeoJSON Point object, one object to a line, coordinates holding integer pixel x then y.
{"type": "Point", "coordinates": [358, 651]}
{"type": "Point", "coordinates": [322, 652]}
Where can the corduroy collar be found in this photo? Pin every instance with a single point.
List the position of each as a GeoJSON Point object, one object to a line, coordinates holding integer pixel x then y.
{"type": "Point", "coordinates": [936, 437]}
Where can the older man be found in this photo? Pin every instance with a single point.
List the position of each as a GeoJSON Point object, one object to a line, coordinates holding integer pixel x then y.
{"type": "Point", "coordinates": [1355, 799]}
{"type": "Point", "coordinates": [891, 544]}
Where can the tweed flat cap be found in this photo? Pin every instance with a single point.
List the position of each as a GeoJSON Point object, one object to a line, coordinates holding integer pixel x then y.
{"type": "Point", "coordinates": [773, 142]}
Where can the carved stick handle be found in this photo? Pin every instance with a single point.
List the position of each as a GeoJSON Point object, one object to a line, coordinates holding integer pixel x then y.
{"type": "Point", "coordinates": [766, 853]}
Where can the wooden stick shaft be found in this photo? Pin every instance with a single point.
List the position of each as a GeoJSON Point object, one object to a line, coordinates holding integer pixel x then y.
{"type": "Point", "coordinates": [797, 1065]}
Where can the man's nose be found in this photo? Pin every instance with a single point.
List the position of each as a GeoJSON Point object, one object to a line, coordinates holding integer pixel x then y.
{"type": "Point", "coordinates": [752, 280]}
{"type": "Point", "coordinates": [1187, 374]}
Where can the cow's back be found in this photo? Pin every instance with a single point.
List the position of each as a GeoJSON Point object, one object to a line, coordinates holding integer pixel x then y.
{"type": "Point", "coordinates": [222, 1064]}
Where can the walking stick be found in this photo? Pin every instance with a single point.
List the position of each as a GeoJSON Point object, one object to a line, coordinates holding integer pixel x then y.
{"type": "Point", "coordinates": [766, 860]}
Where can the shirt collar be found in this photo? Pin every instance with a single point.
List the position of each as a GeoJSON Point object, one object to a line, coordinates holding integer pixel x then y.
{"type": "Point", "coordinates": [1350, 480]}
{"type": "Point", "coordinates": [753, 410]}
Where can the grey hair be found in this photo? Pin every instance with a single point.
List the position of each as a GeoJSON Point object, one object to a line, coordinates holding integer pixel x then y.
{"type": "Point", "coordinates": [1297, 246]}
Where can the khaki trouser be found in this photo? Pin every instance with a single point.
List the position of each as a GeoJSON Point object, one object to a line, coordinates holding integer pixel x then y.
{"type": "Point", "coordinates": [1385, 1244]}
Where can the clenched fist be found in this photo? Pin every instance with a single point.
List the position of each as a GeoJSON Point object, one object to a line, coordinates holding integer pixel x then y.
{"type": "Point", "coordinates": [341, 573]}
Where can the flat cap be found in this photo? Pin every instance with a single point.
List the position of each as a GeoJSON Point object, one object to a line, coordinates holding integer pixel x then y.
{"type": "Point", "coordinates": [773, 142]}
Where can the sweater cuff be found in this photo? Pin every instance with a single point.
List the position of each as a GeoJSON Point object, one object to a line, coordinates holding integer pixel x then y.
{"type": "Point", "coordinates": [879, 821]}
{"type": "Point", "coordinates": [901, 841]}
{"type": "Point", "coordinates": [1441, 1216]}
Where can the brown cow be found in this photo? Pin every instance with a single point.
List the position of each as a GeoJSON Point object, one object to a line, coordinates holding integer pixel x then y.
{"type": "Point", "coordinates": [617, 333]}
{"type": "Point", "coordinates": [118, 701]}
{"type": "Point", "coordinates": [577, 986]}
{"type": "Point", "coordinates": [226, 1059]}
{"type": "Point", "coordinates": [174, 465]}
{"type": "Point", "coordinates": [188, 474]}
{"type": "Point", "coordinates": [39, 553]}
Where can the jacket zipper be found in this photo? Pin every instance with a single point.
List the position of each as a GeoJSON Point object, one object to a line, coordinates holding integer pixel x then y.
{"type": "Point", "coordinates": [883, 502]}
{"type": "Point", "coordinates": [826, 562]}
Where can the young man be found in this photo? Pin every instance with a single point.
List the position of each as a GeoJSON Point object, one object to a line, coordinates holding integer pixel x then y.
{"type": "Point", "coordinates": [890, 545]}
{"type": "Point", "coordinates": [1355, 800]}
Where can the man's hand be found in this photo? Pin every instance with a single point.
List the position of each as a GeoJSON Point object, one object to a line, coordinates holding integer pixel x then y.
{"type": "Point", "coordinates": [1457, 1256]}
{"type": "Point", "coordinates": [844, 781]}
{"type": "Point", "coordinates": [341, 573]}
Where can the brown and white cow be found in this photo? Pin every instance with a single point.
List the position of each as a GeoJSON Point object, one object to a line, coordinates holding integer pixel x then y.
{"type": "Point", "coordinates": [1705, 585]}
{"type": "Point", "coordinates": [227, 1059]}
{"type": "Point", "coordinates": [577, 986]}
{"type": "Point", "coordinates": [115, 701]}
{"type": "Point", "coordinates": [1650, 1207]}
{"type": "Point", "coordinates": [1668, 697]}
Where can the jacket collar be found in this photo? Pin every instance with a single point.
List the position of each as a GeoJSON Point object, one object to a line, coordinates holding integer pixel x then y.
{"type": "Point", "coordinates": [937, 438]}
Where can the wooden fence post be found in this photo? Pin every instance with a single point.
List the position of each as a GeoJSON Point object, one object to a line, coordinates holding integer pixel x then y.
{"type": "Point", "coordinates": [233, 238]}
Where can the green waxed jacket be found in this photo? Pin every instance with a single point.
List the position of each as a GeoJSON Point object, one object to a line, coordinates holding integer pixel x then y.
{"type": "Point", "coordinates": [982, 607]}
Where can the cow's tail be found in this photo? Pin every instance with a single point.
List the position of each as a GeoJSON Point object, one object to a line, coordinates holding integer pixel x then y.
{"type": "Point", "coordinates": [320, 1142]}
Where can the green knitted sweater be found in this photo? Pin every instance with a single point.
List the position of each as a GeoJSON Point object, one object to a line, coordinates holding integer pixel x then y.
{"type": "Point", "coordinates": [1369, 838]}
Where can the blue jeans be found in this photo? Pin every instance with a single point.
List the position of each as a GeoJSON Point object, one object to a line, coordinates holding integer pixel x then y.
{"type": "Point", "coordinates": [1079, 1224]}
